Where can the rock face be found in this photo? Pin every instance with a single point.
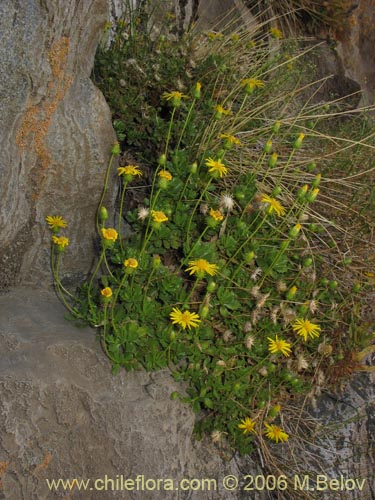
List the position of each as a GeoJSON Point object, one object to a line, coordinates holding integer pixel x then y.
{"type": "Point", "coordinates": [356, 49]}
{"type": "Point", "coordinates": [55, 132]}
{"type": "Point", "coordinates": [63, 415]}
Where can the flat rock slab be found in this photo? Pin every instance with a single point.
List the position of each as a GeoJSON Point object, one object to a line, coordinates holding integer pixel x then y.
{"type": "Point", "coordinates": [63, 415]}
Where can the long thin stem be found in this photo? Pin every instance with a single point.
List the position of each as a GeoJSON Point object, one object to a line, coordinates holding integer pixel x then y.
{"type": "Point", "coordinates": [185, 124]}
{"type": "Point", "coordinates": [105, 187]}
{"type": "Point", "coordinates": [60, 291]}
{"type": "Point", "coordinates": [195, 208]}
{"type": "Point", "coordinates": [120, 214]}
{"type": "Point", "coordinates": [245, 242]}
{"type": "Point", "coordinates": [93, 276]}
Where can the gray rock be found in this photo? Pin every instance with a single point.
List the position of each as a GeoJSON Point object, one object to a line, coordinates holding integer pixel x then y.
{"type": "Point", "coordinates": [63, 415]}
{"type": "Point", "coordinates": [55, 133]}
{"type": "Point", "coordinates": [356, 49]}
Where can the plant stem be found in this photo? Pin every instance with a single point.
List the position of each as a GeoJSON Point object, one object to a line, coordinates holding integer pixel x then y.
{"type": "Point", "coordinates": [105, 187]}
{"type": "Point", "coordinates": [120, 214]}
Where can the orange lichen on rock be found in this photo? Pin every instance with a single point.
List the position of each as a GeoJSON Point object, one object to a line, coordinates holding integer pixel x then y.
{"type": "Point", "coordinates": [37, 119]}
{"type": "Point", "coordinates": [3, 468]}
{"type": "Point", "coordinates": [44, 465]}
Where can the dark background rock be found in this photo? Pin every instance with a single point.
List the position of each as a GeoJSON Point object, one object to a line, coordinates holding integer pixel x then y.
{"type": "Point", "coordinates": [55, 133]}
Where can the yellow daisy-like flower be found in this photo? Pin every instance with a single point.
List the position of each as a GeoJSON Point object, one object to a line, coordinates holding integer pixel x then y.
{"type": "Point", "coordinates": [60, 241]}
{"type": "Point", "coordinates": [164, 174]}
{"type": "Point", "coordinates": [251, 84]}
{"type": "Point", "coordinates": [279, 345]}
{"type": "Point", "coordinates": [158, 216]}
{"type": "Point", "coordinates": [175, 97]}
{"type": "Point", "coordinates": [185, 319]}
{"type": "Point", "coordinates": [216, 214]}
{"type": "Point", "coordinates": [276, 33]}
{"type": "Point", "coordinates": [55, 222]}
{"type": "Point", "coordinates": [131, 263]}
{"type": "Point", "coordinates": [306, 329]}
{"type": "Point", "coordinates": [247, 425]}
{"type": "Point", "coordinates": [212, 35]}
{"type": "Point", "coordinates": [274, 205]}
{"type": "Point", "coordinates": [276, 433]}
{"type": "Point", "coordinates": [216, 167]}
{"type": "Point", "coordinates": [231, 139]}
{"type": "Point", "coordinates": [106, 292]}
{"type": "Point", "coordinates": [132, 170]}
{"type": "Point", "coordinates": [109, 234]}
{"type": "Point", "coordinates": [220, 111]}
{"type": "Point", "coordinates": [200, 267]}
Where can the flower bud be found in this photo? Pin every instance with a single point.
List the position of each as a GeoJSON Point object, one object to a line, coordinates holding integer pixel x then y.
{"type": "Point", "coordinates": [103, 214]}
{"type": "Point", "coordinates": [356, 287]}
{"type": "Point", "coordinates": [311, 166]}
{"type": "Point", "coordinates": [276, 127]}
{"type": "Point", "coordinates": [204, 311]}
{"type": "Point", "coordinates": [315, 183]}
{"type": "Point", "coordinates": [162, 160]}
{"type": "Point", "coordinates": [291, 293]}
{"type": "Point", "coordinates": [298, 142]}
{"type": "Point", "coordinates": [294, 231]}
{"type": "Point", "coordinates": [276, 191]}
{"type": "Point", "coordinates": [116, 149]}
{"type": "Point", "coordinates": [197, 90]}
{"type": "Point", "coordinates": [194, 168]}
{"type": "Point", "coordinates": [211, 286]}
{"type": "Point", "coordinates": [307, 262]}
{"type": "Point", "coordinates": [311, 195]}
{"type": "Point", "coordinates": [274, 411]}
{"type": "Point", "coordinates": [249, 257]}
{"type": "Point", "coordinates": [333, 285]}
{"type": "Point", "coordinates": [156, 261]}
{"type": "Point", "coordinates": [273, 160]}
{"type": "Point", "coordinates": [268, 147]}
{"type": "Point", "coordinates": [301, 193]}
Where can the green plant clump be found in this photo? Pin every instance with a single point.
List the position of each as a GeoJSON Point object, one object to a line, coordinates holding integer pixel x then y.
{"type": "Point", "coordinates": [220, 279]}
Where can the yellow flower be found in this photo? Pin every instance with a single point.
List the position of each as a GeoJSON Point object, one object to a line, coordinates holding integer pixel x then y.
{"type": "Point", "coordinates": [216, 214]}
{"type": "Point", "coordinates": [131, 170]}
{"type": "Point", "coordinates": [279, 345]}
{"type": "Point", "coordinates": [175, 97]}
{"type": "Point", "coordinates": [61, 241]}
{"type": "Point", "coordinates": [55, 222]}
{"type": "Point", "coordinates": [306, 329]}
{"type": "Point", "coordinates": [247, 425]}
{"type": "Point", "coordinates": [184, 319]}
{"type": "Point", "coordinates": [231, 139]}
{"type": "Point", "coordinates": [251, 84]}
{"type": "Point", "coordinates": [276, 33]}
{"type": "Point", "coordinates": [109, 234]}
{"type": "Point", "coordinates": [164, 174]}
{"type": "Point", "coordinates": [212, 35]}
{"type": "Point", "coordinates": [106, 292]}
{"type": "Point", "coordinates": [274, 205]}
{"type": "Point", "coordinates": [131, 263]}
{"type": "Point", "coordinates": [158, 216]}
{"type": "Point", "coordinates": [276, 433]}
{"type": "Point", "coordinates": [216, 167]}
{"type": "Point", "coordinates": [220, 111]}
{"type": "Point", "coordinates": [200, 267]}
